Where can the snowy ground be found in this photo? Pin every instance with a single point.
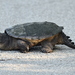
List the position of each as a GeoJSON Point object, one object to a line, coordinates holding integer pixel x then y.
{"type": "Point", "coordinates": [62, 60]}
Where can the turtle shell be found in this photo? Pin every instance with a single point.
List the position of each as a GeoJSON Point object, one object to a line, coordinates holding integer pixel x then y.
{"type": "Point", "coordinates": [34, 30]}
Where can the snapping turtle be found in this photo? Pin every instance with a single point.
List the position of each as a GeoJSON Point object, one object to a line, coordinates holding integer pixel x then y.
{"type": "Point", "coordinates": [25, 36]}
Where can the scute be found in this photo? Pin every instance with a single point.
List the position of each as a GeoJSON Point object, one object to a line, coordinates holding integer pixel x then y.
{"type": "Point", "coordinates": [34, 30]}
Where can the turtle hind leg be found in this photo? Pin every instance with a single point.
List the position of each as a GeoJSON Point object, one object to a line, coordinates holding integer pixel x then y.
{"type": "Point", "coordinates": [47, 47]}
{"type": "Point", "coordinates": [23, 46]}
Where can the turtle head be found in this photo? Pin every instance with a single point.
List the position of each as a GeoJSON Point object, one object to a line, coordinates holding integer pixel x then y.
{"type": "Point", "coordinates": [3, 38]}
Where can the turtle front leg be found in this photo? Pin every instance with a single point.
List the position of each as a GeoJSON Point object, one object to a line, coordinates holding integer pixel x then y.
{"type": "Point", "coordinates": [47, 47]}
{"type": "Point", "coordinates": [22, 45]}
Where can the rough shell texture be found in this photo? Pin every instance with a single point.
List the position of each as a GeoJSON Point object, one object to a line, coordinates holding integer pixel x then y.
{"type": "Point", "coordinates": [34, 30]}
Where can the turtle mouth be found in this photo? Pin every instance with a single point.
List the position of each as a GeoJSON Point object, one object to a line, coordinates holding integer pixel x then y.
{"type": "Point", "coordinates": [68, 42]}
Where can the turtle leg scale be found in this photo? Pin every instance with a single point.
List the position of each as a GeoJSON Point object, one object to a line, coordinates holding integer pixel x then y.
{"type": "Point", "coordinates": [22, 45]}
{"type": "Point", "coordinates": [47, 47]}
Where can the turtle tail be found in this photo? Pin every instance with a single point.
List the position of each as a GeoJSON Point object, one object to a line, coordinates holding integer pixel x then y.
{"type": "Point", "coordinates": [68, 42]}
